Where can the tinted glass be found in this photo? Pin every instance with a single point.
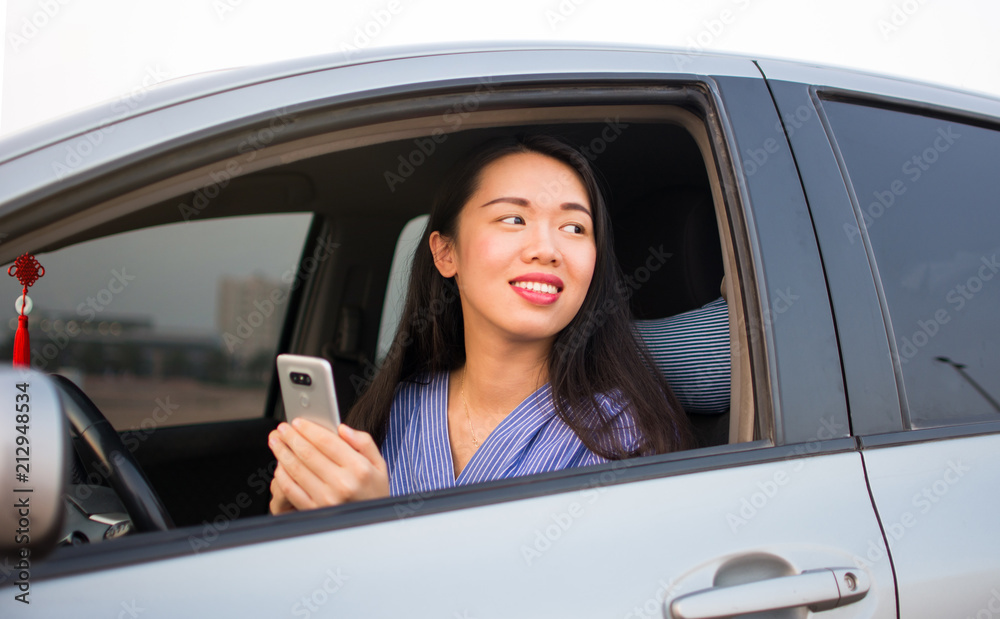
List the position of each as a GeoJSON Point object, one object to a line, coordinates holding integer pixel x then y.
{"type": "Point", "coordinates": [168, 325]}
{"type": "Point", "coordinates": [928, 190]}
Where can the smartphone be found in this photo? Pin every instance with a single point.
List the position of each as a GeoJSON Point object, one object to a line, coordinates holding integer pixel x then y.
{"type": "Point", "coordinates": [307, 389]}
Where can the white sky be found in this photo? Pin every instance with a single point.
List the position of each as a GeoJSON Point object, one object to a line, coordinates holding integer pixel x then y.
{"type": "Point", "coordinates": [62, 55]}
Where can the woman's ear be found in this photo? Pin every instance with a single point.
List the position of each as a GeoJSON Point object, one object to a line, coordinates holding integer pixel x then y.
{"type": "Point", "coordinates": [443, 251]}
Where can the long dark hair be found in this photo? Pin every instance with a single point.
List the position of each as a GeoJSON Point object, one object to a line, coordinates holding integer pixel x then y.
{"type": "Point", "coordinates": [595, 356]}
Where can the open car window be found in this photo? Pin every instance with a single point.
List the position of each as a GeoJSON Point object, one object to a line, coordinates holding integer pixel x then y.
{"type": "Point", "coordinates": [221, 280]}
{"type": "Point", "coordinates": [667, 238]}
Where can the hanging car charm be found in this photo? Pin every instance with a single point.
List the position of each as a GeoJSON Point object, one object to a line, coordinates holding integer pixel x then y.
{"type": "Point", "coordinates": [27, 270]}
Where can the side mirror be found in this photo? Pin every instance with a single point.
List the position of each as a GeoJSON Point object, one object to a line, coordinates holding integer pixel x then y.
{"type": "Point", "coordinates": [34, 465]}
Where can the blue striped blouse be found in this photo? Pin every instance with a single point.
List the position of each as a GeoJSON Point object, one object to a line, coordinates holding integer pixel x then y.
{"type": "Point", "coordinates": [531, 439]}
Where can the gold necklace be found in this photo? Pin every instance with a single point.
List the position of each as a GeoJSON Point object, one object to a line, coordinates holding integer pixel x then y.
{"type": "Point", "coordinates": [475, 439]}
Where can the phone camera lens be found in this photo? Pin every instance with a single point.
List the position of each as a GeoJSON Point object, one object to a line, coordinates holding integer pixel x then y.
{"type": "Point", "coordinates": [301, 379]}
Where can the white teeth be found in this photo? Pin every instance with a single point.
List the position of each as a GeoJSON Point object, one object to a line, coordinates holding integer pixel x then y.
{"type": "Point", "coordinates": [537, 287]}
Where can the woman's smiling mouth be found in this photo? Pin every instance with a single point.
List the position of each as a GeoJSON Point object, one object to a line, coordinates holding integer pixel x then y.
{"type": "Point", "coordinates": [538, 288]}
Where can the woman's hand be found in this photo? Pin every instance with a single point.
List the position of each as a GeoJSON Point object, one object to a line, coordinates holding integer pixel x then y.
{"type": "Point", "coordinates": [318, 468]}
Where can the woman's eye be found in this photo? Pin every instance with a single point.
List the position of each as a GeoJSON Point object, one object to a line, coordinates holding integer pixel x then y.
{"type": "Point", "coordinates": [513, 219]}
{"type": "Point", "coordinates": [574, 228]}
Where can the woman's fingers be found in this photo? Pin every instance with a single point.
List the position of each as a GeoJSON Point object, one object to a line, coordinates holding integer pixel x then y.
{"type": "Point", "coordinates": [370, 468]}
{"type": "Point", "coordinates": [279, 499]}
{"type": "Point", "coordinates": [287, 495]}
{"type": "Point", "coordinates": [363, 472]}
{"type": "Point", "coordinates": [320, 467]}
{"type": "Point", "coordinates": [363, 443]}
{"type": "Point", "coordinates": [315, 477]}
{"type": "Point", "coordinates": [329, 443]}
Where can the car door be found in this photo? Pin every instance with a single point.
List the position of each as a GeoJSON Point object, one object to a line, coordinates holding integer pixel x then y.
{"type": "Point", "coordinates": [900, 181]}
{"type": "Point", "coordinates": [778, 521]}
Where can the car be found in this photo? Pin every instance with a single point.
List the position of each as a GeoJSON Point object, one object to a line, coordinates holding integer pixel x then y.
{"type": "Point", "coordinates": [195, 229]}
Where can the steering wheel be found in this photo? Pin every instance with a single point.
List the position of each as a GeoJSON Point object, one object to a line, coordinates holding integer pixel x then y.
{"type": "Point", "coordinates": [108, 454]}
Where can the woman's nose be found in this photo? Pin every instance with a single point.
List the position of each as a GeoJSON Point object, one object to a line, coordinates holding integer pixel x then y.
{"type": "Point", "coordinates": [542, 246]}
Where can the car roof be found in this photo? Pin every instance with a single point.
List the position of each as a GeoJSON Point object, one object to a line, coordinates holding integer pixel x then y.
{"type": "Point", "coordinates": [191, 87]}
{"type": "Point", "coordinates": [188, 88]}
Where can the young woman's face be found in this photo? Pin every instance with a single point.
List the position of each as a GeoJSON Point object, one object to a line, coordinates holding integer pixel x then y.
{"type": "Point", "coordinates": [525, 252]}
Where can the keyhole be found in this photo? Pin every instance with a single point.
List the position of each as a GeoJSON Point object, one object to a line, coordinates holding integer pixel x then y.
{"type": "Point", "coordinates": [851, 581]}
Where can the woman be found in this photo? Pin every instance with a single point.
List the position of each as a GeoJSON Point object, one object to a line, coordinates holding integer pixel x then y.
{"type": "Point", "coordinates": [514, 355]}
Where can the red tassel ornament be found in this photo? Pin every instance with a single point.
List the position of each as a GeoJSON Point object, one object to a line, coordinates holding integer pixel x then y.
{"type": "Point", "coordinates": [27, 270]}
{"type": "Point", "coordinates": [22, 345]}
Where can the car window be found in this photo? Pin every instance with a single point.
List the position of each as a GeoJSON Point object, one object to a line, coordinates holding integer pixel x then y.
{"type": "Point", "coordinates": [172, 324]}
{"type": "Point", "coordinates": [926, 191]}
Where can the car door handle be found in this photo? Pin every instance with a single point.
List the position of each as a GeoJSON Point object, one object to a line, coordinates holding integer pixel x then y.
{"type": "Point", "coordinates": [821, 589]}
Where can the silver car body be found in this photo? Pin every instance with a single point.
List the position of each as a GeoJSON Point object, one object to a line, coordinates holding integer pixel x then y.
{"type": "Point", "coordinates": [911, 512]}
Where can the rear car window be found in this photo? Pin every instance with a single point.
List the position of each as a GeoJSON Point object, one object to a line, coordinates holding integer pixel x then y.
{"type": "Point", "coordinates": [926, 188]}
